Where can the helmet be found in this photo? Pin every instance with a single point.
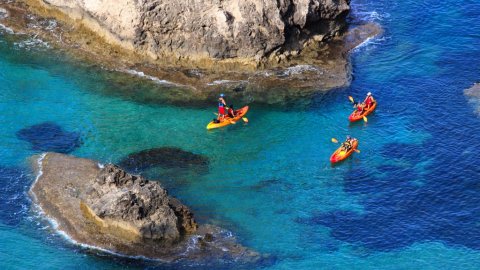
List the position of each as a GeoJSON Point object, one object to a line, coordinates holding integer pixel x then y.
{"type": "Point", "coordinates": [348, 137]}
{"type": "Point", "coordinates": [222, 95]}
{"type": "Point", "coordinates": [369, 93]}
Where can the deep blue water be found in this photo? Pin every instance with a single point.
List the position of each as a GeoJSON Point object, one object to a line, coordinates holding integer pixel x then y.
{"type": "Point", "coordinates": [409, 200]}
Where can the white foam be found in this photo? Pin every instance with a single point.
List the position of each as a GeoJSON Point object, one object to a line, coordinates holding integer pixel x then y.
{"type": "Point", "coordinates": [7, 30]}
{"type": "Point", "coordinates": [143, 75]}
{"type": "Point", "coordinates": [217, 82]}
{"type": "Point", "coordinates": [100, 165]}
{"type": "Point", "coordinates": [32, 43]}
{"type": "Point", "coordinates": [298, 69]}
{"type": "Point", "coordinates": [40, 169]}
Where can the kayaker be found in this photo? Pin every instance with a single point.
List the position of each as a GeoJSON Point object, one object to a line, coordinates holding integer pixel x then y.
{"type": "Point", "coordinates": [360, 108]}
{"type": "Point", "coordinates": [231, 111]}
{"type": "Point", "coordinates": [348, 144]}
{"type": "Point", "coordinates": [221, 107]}
{"type": "Point", "coordinates": [369, 100]}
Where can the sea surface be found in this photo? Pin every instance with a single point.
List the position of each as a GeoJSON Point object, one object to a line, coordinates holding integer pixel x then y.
{"type": "Point", "coordinates": [409, 200]}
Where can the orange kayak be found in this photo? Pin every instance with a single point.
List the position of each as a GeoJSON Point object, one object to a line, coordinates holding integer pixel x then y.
{"type": "Point", "coordinates": [340, 155]}
{"type": "Point", "coordinates": [354, 116]}
{"type": "Point", "coordinates": [228, 120]}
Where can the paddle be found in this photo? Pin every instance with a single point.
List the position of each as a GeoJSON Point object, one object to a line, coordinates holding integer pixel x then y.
{"type": "Point", "coordinates": [365, 119]}
{"type": "Point", "coordinates": [245, 119]}
{"type": "Point", "coordinates": [351, 99]}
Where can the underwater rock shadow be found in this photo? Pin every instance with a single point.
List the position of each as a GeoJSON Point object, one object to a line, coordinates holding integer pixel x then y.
{"type": "Point", "coordinates": [50, 137]}
{"type": "Point", "coordinates": [398, 213]}
{"type": "Point", "coordinates": [165, 157]}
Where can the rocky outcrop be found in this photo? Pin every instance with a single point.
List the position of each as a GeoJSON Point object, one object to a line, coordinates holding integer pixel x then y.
{"type": "Point", "coordinates": [292, 49]}
{"type": "Point", "coordinates": [127, 214]}
{"type": "Point", "coordinates": [209, 28]}
{"type": "Point", "coordinates": [130, 203]}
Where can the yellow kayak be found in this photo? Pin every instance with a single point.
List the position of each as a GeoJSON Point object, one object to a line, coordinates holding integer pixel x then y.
{"type": "Point", "coordinates": [228, 120]}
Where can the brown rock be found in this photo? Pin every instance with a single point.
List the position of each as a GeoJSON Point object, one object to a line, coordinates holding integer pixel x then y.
{"type": "Point", "coordinates": [127, 214]}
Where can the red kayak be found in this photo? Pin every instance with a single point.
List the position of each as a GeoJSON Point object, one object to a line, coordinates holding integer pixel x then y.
{"type": "Point", "coordinates": [340, 155]}
{"type": "Point", "coordinates": [354, 116]}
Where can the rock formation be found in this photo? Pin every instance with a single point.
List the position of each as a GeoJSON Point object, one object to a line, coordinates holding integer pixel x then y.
{"type": "Point", "coordinates": [131, 204]}
{"type": "Point", "coordinates": [209, 28]}
{"type": "Point", "coordinates": [127, 214]}
{"type": "Point", "coordinates": [272, 52]}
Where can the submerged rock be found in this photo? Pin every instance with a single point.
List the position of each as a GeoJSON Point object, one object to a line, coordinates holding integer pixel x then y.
{"type": "Point", "coordinates": [166, 157]}
{"type": "Point", "coordinates": [50, 137]}
{"type": "Point", "coordinates": [126, 214]}
{"type": "Point", "coordinates": [473, 93]}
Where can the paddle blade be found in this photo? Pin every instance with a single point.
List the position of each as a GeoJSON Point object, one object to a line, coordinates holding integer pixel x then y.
{"type": "Point", "coordinates": [215, 113]}
{"type": "Point", "coordinates": [351, 99]}
{"type": "Point", "coordinates": [232, 122]}
{"type": "Point", "coordinates": [245, 119]}
{"type": "Point", "coordinates": [356, 150]}
{"type": "Point", "coordinates": [365, 119]}
{"type": "Point", "coordinates": [334, 140]}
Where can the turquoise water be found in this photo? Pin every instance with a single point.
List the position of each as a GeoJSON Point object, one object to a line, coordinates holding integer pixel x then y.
{"type": "Point", "coordinates": [410, 199]}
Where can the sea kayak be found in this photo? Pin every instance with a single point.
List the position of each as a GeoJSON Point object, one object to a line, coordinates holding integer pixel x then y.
{"type": "Point", "coordinates": [228, 120]}
{"type": "Point", "coordinates": [354, 116]}
{"type": "Point", "coordinates": [340, 155]}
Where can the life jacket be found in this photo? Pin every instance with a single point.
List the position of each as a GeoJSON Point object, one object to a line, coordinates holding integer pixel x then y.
{"type": "Point", "coordinates": [369, 101]}
{"type": "Point", "coordinates": [220, 104]}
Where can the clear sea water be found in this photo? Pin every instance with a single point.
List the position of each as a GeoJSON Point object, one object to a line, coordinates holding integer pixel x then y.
{"type": "Point", "coordinates": [409, 200]}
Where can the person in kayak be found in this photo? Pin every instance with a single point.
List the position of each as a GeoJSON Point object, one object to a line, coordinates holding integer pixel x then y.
{"type": "Point", "coordinates": [221, 107]}
{"type": "Point", "coordinates": [369, 100]}
{"type": "Point", "coordinates": [231, 111]}
{"type": "Point", "coordinates": [360, 108]}
{"type": "Point", "coordinates": [347, 145]}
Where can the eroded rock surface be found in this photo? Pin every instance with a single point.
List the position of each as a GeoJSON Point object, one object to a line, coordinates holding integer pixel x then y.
{"type": "Point", "coordinates": [137, 206]}
{"type": "Point", "coordinates": [209, 28]}
{"type": "Point", "coordinates": [127, 214]}
{"type": "Point", "coordinates": [290, 52]}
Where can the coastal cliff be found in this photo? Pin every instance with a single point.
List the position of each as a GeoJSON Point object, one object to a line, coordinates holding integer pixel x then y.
{"type": "Point", "coordinates": [209, 29]}
{"type": "Point", "coordinates": [270, 52]}
{"type": "Point", "coordinates": [107, 208]}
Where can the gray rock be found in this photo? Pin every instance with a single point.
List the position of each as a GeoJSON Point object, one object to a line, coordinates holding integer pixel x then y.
{"type": "Point", "coordinates": [119, 197]}
{"type": "Point", "coordinates": [209, 28]}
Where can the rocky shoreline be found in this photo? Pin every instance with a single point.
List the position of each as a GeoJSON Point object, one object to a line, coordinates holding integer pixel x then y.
{"type": "Point", "coordinates": [320, 63]}
{"type": "Point", "coordinates": [108, 209]}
